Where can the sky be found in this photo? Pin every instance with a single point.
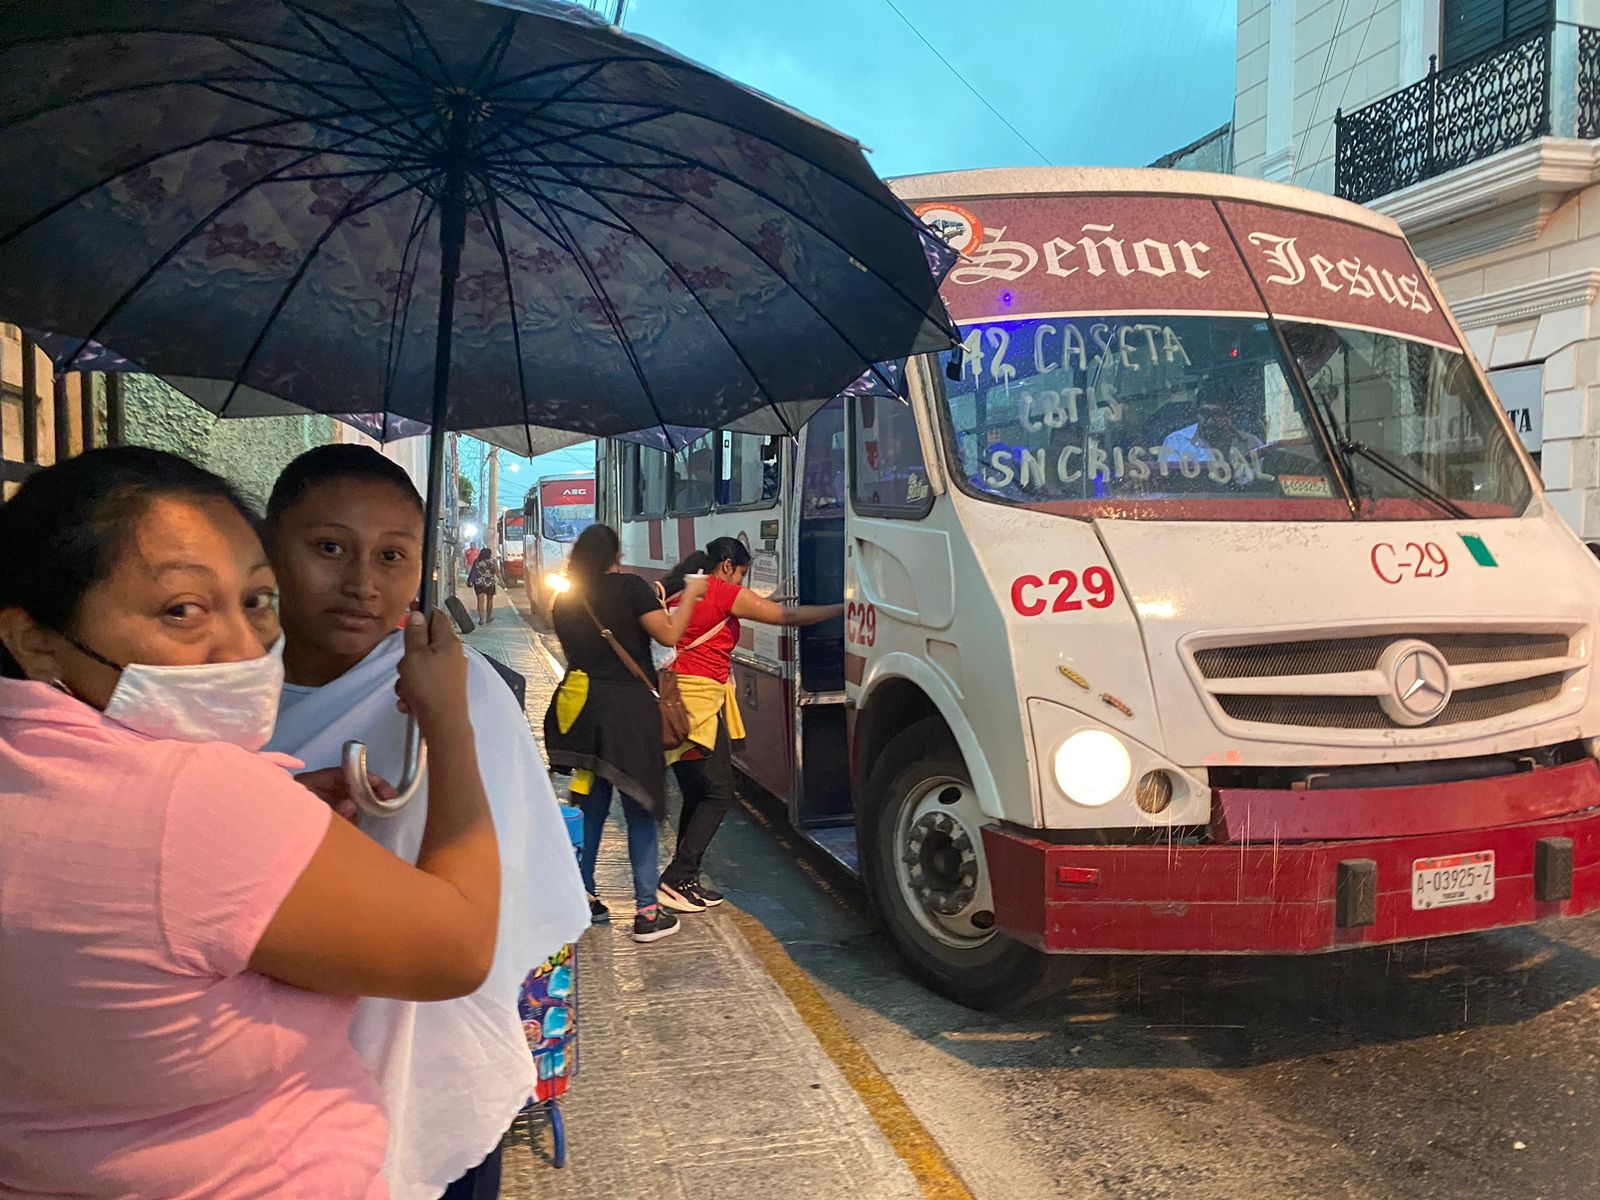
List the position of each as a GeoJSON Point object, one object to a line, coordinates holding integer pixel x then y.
{"type": "Point", "coordinates": [1071, 82]}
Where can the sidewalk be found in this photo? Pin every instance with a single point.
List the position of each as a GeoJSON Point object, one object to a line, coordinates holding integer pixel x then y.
{"type": "Point", "coordinates": [699, 1079]}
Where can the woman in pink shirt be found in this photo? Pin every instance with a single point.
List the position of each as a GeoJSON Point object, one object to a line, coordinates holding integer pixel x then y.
{"type": "Point", "coordinates": [183, 927]}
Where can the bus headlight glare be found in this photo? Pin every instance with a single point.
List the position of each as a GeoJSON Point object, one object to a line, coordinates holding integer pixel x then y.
{"type": "Point", "coordinates": [1093, 767]}
{"type": "Point", "coordinates": [557, 583]}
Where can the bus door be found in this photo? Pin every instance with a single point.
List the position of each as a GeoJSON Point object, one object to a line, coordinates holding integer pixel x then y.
{"type": "Point", "coordinates": [823, 795]}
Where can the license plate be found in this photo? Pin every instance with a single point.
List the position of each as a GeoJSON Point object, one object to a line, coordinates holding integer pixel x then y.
{"type": "Point", "coordinates": [1453, 879]}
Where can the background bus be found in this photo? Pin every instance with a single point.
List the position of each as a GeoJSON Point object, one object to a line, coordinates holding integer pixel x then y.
{"type": "Point", "coordinates": [558, 508]}
{"type": "Point", "coordinates": [511, 545]}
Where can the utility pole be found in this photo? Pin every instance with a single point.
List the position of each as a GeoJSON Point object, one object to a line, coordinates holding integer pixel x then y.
{"type": "Point", "coordinates": [492, 513]}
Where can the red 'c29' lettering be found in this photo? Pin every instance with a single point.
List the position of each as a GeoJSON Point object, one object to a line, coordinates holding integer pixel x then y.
{"type": "Point", "coordinates": [1032, 596]}
{"type": "Point", "coordinates": [1414, 560]}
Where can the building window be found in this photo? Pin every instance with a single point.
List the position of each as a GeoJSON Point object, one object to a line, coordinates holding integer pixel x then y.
{"type": "Point", "coordinates": [647, 475]}
{"type": "Point", "coordinates": [887, 474]}
{"type": "Point", "coordinates": [1521, 393]}
{"type": "Point", "coordinates": [1469, 28]}
{"type": "Point", "coordinates": [747, 470]}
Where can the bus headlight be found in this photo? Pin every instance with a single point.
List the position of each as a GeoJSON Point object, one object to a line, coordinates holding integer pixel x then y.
{"type": "Point", "coordinates": [557, 583]}
{"type": "Point", "coordinates": [1093, 767]}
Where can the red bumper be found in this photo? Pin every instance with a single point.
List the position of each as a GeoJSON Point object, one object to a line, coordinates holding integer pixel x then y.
{"type": "Point", "coordinates": [1292, 877]}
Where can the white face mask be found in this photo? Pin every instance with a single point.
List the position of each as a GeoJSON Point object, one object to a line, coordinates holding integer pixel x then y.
{"type": "Point", "coordinates": [233, 702]}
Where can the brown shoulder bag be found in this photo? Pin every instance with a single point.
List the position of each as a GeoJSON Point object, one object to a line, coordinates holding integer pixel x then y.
{"type": "Point", "coordinates": [674, 715]}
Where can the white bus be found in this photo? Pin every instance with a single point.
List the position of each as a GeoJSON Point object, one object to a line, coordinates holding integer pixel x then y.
{"type": "Point", "coordinates": [1204, 602]}
{"type": "Point", "coordinates": [557, 509]}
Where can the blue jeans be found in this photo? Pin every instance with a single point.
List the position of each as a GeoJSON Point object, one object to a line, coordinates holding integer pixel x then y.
{"type": "Point", "coordinates": [643, 841]}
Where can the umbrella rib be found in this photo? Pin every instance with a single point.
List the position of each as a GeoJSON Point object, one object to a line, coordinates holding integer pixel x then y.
{"type": "Point", "coordinates": [353, 207]}
{"type": "Point", "coordinates": [750, 370]}
{"type": "Point", "coordinates": [596, 65]}
{"type": "Point", "coordinates": [494, 55]}
{"type": "Point", "coordinates": [865, 193]}
{"type": "Point", "coordinates": [414, 30]}
{"type": "Point", "coordinates": [173, 250]}
{"type": "Point", "coordinates": [53, 39]}
{"type": "Point", "coordinates": [576, 83]}
{"type": "Point", "coordinates": [498, 235]}
{"type": "Point", "coordinates": [107, 180]}
{"type": "Point", "coordinates": [367, 77]}
{"type": "Point", "coordinates": [527, 183]}
{"type": "Point", "coordinates": [426, 205]}
{"type": "Point", "coordinates": [324, 121]}
{"type": "Point", "coordinates": [613, 318]}
{"type": "Point", "coordinates": [405, 64]}
{"type": "Point", "coordinates": [131, 89]}
{"type": "Point", "coordinates": [299, 147]}
{"type": "Point", "coordinates": [568, 139]}
{"type": "Point", "coordinates": [685, 162]}
{"type": "Point", "coordinates": [389, 103]}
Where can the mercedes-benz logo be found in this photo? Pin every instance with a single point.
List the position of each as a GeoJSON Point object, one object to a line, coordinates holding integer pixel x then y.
{"type": "Point", "coordinates": [1419, 682]}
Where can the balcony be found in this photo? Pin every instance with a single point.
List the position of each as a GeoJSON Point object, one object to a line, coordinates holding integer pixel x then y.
{"type": "Point", "coordinates": [1544, 85]}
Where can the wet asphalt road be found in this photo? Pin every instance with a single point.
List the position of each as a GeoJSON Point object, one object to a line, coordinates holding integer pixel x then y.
{"type": "Point", "coordinates": [1461, 1068]}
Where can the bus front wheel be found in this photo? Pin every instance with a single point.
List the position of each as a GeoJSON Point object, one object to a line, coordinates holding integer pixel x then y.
{"type": "Point", "coordinates": [922, 856]}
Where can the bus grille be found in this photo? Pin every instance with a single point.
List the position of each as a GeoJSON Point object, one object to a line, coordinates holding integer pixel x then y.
{"type": "Point", "coordinates": [1364, 712]}
{"type": "Point", "coordinates": [1336, 656]}
{"type": "Point", "coordinates": [1335, 682]}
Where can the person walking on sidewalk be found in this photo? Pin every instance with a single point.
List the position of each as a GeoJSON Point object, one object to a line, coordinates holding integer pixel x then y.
{"type": "Point", "coordinates": [704, 669]}
{"type": "Point", "coordinates": [603, 721]}
{"type": "Point", "coordinates": [482, 579]}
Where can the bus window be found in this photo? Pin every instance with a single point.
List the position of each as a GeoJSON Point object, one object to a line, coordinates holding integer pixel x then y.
{"type": "Point", "coordinates": [647, 472]}
{"type": "Point", "coordinates": [888, 476]}
{"type": "Point", "coordinates": [822, 489]}
{"type": "Point", "coordinates": [747, 471]}
{"type": "Point", "coordinates": [693, 478]}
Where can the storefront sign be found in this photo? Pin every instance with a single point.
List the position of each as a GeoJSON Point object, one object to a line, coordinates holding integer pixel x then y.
{"type": "Point", "coordinates": [1521, 393]}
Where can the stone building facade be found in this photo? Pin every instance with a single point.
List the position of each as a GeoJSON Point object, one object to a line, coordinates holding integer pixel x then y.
{"type": "Point", "coordinates": [1476, 125]}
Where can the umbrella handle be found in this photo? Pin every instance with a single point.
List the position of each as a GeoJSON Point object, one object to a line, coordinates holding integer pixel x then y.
{"type": "Point", "coordinates": [407, 788]}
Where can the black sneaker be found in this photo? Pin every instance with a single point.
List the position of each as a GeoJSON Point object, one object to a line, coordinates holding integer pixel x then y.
{"type": "Point", "coordinates": [708, 896]}
{"type": "Point", "coordinates": [599, 914]}
{"type": "Point", "coordinates": [680, 897]}
{"type": "Point", "coordinates": [653, 928]}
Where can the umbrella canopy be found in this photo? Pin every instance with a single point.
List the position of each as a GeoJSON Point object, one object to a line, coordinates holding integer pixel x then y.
{"type": "Point", "coordinates": [271, 194]}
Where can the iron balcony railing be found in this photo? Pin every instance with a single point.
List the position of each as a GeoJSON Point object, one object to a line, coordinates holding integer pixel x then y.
{"type": "Point", "coordinates": [1461, 115]}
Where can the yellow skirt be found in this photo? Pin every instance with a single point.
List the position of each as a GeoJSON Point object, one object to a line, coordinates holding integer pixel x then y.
{"type": "Point", "coordinates": [707, 702]}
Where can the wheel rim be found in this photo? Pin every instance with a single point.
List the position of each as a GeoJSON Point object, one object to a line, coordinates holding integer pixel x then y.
{"type": "Point", "coordinates": [939, 864]}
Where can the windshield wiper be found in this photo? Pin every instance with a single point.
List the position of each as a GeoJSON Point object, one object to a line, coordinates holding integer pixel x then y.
{"type": "Point", "coordinates": [1393, 469]}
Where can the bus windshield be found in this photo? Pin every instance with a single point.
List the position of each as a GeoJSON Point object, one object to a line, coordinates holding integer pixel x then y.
{"type": "Point", "coordinates": [564, 522]}
{"type": "Point", "coordinates": [1202, 418]}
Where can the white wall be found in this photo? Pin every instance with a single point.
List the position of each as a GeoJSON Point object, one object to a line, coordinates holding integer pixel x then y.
{"type": "Point", "coordinates": [1306, 59]}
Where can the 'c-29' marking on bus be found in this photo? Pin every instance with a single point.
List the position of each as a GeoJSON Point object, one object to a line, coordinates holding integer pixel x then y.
{"type": "Point", "coordinates": [1031, 596]}
{"type": "Point", "coordinates": [861, 624]}
{"type": "Point", "coordinates": [1414, 560]}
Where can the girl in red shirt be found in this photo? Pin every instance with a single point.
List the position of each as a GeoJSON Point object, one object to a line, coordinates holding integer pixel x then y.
{"type": "Point", "coordinates": [704, 665]}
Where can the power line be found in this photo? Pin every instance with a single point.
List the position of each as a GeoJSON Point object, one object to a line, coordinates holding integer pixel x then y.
{"type": "Point", "coordinates": [1044, 158]}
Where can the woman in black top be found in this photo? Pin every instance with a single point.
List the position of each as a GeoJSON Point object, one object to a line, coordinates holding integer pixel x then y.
{"type": "Point", "coordinates": [604, 722]}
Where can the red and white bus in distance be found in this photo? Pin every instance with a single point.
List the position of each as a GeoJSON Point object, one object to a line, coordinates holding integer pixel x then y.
{"type": "Point", "coordinates": [1205, 602]}
{"type": "Point", "coordinates": [558, 508]}
{"type": "Point", "coordinates": [511, 537]}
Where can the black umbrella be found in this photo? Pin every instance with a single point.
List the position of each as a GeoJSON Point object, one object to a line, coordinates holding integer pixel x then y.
{"type": "Point", "coordinates": [468, 214]}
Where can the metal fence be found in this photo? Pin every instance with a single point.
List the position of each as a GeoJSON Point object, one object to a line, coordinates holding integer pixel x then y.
{"type": "Point", "coordinates": [1455, 117]}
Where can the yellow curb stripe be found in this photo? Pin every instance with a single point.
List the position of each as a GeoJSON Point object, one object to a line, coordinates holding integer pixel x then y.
{"type": "Point", "coordinates": [911, 1141]}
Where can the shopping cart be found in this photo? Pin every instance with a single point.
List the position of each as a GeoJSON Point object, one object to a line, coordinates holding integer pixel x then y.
{"type": "Point", "coordinates": [549, 1008]}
